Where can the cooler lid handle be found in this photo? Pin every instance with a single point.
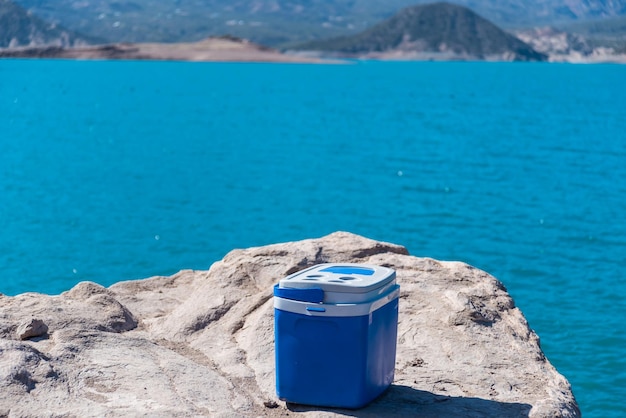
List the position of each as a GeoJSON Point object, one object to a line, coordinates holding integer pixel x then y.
{"type": "Point", "coordinates": [313, 295]}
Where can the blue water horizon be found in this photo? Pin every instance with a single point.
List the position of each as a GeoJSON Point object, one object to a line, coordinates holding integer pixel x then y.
{"type": "Point", "coordinates": [115, 171]}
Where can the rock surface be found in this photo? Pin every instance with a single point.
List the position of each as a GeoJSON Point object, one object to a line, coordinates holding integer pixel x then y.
{"type": "Point", "coordinates": [200, 343]}
{"type": "Point", "coordinates": [561, 46]}
{"type": "Point", "coordinates": [32, 328]}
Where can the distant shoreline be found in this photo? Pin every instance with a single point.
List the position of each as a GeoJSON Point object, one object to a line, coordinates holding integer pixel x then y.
{"type": "Point", "coordinates": [217, 49]}
{"type": "Point", "coordinates": [230, 49]}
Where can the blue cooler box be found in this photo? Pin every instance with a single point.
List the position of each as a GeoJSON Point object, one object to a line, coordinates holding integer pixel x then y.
{"type": "Point", "coordinates": [335, 331]}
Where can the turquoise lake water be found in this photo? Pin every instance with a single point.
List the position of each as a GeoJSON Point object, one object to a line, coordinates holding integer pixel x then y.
{"type": "Point", "coordinates": [122, 170]}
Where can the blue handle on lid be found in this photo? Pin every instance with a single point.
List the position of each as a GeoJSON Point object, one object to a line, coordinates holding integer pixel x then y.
{"type": "Point", "coordinates": [314, 295]}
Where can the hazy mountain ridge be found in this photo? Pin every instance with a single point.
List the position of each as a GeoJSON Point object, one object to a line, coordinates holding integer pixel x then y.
{"type": "Point", "coordinates": [279, 22]}
{"type": "Point", "coordinates": [606, 33]}
{"type": "Point", "coordinates": [19, 27]}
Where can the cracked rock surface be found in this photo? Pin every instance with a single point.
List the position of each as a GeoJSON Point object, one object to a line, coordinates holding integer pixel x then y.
{"type": "Point", "coordinates": [201, 343]}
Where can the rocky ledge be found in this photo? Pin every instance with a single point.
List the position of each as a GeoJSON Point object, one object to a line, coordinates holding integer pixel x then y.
{"type": "Point", "coordinates": [201, 343]}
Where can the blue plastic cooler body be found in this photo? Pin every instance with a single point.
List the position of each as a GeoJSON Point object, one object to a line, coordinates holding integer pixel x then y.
{"type": "Point", "coordinates": [343, 362]}
{"type": "Point", "coordinates": [336, 354]}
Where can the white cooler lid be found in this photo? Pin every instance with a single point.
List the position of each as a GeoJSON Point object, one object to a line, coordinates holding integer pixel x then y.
{"type": "Point", "coordinates": [343, 282]}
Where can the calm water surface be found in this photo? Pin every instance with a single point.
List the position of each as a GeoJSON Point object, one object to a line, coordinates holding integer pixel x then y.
{"type": "Point", "coordinates": [121, 170]}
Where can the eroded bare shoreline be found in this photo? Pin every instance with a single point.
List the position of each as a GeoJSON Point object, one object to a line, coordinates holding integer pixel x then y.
{"type": "Point", "coordinates": [220, 49]}
{"type": "Point", "coordinates": [230, 49]}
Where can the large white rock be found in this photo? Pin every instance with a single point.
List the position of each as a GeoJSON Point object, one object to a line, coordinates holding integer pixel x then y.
{"type": "Point", "coordinates": [201, 343]}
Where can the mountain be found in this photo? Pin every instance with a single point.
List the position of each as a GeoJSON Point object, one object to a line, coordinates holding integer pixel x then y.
{"type": "Point", "coordinates": [612, 30]}
{"type": "Point", "coordinates": [280, 22]}
{"type": "Point", "coordinates": [262, 21]}
{"type": "Point", "coordinates": [20, 28]}
{"type": "Point", "coordinates": [444, 29]}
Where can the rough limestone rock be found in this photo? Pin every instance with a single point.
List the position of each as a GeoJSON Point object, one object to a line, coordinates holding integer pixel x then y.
{"type": "Point", "coordinates": [32, 328]}
{"type": "Point", "coordinates": [200, 343]}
